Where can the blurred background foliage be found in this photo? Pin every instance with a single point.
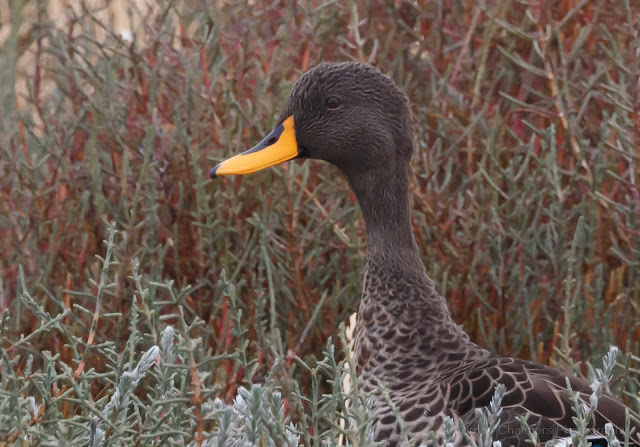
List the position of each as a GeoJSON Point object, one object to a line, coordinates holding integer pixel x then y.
{"type": "Point", "coordinates": [527, 119]}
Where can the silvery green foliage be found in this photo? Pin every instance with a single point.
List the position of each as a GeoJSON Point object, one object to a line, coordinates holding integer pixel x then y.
{"type": "Point", "coordinates": [159, 387]}
{"type": "Point", "coordinates": [118, 406]}
{"type": "Point", "coordinates": [611, 436]}
{"type": "Point", "coordinates": [585, 407]}
{"type": "Point", "coordinates": [449, 432]}
{"type": "Point", "coordinates": [256, 417]}
{"type": "Point", "coordinates": [605, 374]}
{"type": "Point", "coordinates": [129, 381]}
{"type": "Point", "coordinates": [489, 418]}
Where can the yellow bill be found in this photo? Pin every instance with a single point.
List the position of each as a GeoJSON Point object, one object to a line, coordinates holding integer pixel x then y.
{"type": "Point", "coordinates": [277, 147]}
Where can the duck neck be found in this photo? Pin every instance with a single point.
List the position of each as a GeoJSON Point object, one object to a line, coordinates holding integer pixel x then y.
{"type": "Point", "coordinates": [384, 200]}
{"type": "Point", "coordinates": [400, 308]}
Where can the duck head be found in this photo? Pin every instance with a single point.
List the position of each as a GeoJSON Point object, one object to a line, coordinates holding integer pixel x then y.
{"type": "Point", "coordinates": [356, 118]}
{"type": "Point", "coordinates": [348, 114]}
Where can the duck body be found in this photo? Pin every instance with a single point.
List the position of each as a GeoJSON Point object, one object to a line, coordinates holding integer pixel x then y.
{"type": "Point", "coordinates": [407, 346]}
{"type": "Point", "coordinates": [406, 340]}
{"type": "Point", "coordinates": [413, 353]}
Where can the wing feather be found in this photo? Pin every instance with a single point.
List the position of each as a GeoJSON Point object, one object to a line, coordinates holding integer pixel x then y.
{"type": "Point", "coordinates": [535, 389]}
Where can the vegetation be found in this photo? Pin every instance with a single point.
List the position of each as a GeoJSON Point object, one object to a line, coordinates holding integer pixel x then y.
{"type": "Point", "coordinates": [139, 299]}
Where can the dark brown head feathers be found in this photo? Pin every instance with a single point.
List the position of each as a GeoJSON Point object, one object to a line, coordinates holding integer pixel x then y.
{"type": "Point", "coordinates": [371, 126]}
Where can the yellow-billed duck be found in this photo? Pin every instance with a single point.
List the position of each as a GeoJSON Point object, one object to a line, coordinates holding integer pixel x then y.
{"type": "Point", "coordinates": [354, 117]}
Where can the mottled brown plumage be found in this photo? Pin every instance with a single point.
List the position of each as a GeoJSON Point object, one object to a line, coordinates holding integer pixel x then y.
{"type": "Point", "coordinates": [405, 336]}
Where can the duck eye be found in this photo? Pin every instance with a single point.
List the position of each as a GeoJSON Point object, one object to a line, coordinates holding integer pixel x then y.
{"type": "Point", "coordinates": [333, 102]}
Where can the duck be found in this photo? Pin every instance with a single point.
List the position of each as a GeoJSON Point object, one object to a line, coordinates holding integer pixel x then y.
{"type": "Point", "coordinates": [414, 361]}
